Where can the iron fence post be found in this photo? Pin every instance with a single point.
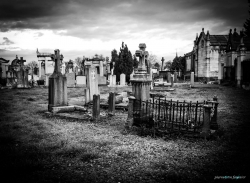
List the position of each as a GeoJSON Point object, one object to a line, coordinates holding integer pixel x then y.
{"type": "Point", "coordinates": [206, 121]}
{"type": "Point", "coordinates": [130, 119]}
{"type": "Point", "coordinates": [214, 124]}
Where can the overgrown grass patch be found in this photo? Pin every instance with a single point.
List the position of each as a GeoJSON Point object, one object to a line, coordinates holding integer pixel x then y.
{"type": "Point", "coordinates": [52, 148]}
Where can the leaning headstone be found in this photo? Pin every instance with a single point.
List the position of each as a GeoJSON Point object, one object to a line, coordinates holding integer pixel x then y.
{"type": "Point", "coordinates": [122, 79]}
{"type": "Point", "coordinates": [70, 79]}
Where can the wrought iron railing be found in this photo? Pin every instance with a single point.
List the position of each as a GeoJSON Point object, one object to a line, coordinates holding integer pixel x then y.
{"type": "Point", "coordinates": [168, 115]}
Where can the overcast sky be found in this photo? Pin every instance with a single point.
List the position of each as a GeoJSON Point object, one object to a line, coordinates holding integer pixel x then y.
{"type": "Point", "coordinates": [87, 27]}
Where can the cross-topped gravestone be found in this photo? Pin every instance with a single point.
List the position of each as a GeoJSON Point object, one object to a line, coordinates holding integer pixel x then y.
{"type": "Point", "coordinates": [141, 79]}
{"type": "Point", "coordinates": [22, 61]}
{"type": "Point", "coordinates": [141, 54]}
{"type": "Point", "coordinates": [57, 58]}
{"type": "Point", "coordinates": [57, 84]}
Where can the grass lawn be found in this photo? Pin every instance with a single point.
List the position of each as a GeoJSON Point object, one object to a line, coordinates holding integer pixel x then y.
{"type": "Point", "coordinates": [37, 147]}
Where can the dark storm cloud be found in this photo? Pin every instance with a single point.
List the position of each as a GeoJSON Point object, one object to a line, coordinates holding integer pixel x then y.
{"type": "Point", "coordinates": [105, 18]}
{"type": "Point", "coordinates": [6, 41]}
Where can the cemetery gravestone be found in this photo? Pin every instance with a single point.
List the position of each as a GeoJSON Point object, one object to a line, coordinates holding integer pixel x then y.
{"type": "Point", "coordinates": [81, 81]}
{"type": "Point", "coordinates": [57, 84]}
{"type": "Point", "coordinates": [122, 79]}
{"type": "Point", "coordinates": [175, 77]}
{"type": "Point", "coordinates": [70, 79]}
{"type": "Point", "coordinates": [141, 81]}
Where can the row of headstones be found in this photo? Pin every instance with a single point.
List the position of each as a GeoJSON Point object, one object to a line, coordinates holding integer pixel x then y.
{"type": "Point", "coordinates": [112, 80]}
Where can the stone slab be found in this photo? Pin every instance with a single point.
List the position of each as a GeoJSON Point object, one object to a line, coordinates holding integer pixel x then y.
{"type": "Point", "coordinates": [80, 108]}
{"type": "Point", "coordinates": [63, 109]}
{"type": "Point", "coordinates": [70, 79]}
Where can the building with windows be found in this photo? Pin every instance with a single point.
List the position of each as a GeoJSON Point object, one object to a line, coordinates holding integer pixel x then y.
{"type": "Point", "coordinates": [207, 51]}
{"type": "Point", "coordinates": [220, 57]}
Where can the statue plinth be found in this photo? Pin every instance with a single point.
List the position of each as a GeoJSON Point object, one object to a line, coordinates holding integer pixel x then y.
{"type": "Point", "coordinates": [141, 81]}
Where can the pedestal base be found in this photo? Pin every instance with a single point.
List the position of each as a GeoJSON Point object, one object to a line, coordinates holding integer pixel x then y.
{"type": "Point", "coordinates": [57, 91]}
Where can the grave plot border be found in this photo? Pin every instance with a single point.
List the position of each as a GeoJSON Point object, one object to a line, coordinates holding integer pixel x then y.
{"type": "Point", "coordinates": [168, 116]}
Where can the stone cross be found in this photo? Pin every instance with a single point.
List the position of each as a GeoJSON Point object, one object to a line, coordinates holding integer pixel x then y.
{"type": "Point", "coordinates": [142, 54]}
{"type": "Point", "coordinates": [162, 60]}
{"type": "Point", "coordinates": [57, 58]}
{"type": "Point", "coordinates": [22, 61]}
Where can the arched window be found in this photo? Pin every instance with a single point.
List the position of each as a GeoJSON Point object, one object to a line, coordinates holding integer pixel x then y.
{"type": "Point", "coordinates": [202, 43]}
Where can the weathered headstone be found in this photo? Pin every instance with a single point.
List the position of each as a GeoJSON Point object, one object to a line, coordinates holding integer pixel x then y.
{"type": "Point", "coordinates": [175, 77]}
{"type": "Point", "coordinates": [71, 79]}
{"type": "Point", "coordinates": [122, 79]}
{"type": "Point", "coordinates": [25, 78]}
{"type": "Point", "coordinates": [141, 81]}
{"type": "Point", "coordinates": [172, 81]}
{"type": "Point", "coordinates": [86, 95]}
{"type": "Point", "coordinates": [113, 80]}
{"type": "Point", "coordinates": [22, 75]}
{"type": "Point", "coordinates": [111, 103]}
{"type": "Point", "coordinates": [92, 82]}
{"type": "Point", "coordinates": [80, 81]}
{"type": "Point", "coordinates": [169, 77]}
{"type": "Point", "coordinates": [206, 121]}
{"type": "Point", "coordinates": [96, 108]}
{"type": "Point", "coordinates": [57, 84]}
{"type": "Point", "coordinates": [50, 68]}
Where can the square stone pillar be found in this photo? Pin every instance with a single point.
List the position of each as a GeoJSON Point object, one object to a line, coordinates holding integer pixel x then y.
{"type": "Point", "coordinates": [206, 121]}
{"type": "Point", "coordinates": [96, 108]}
{"type": "Point", "coordinates": [111, 103]}
{"type": "Point", "coordinates": [192, 79]}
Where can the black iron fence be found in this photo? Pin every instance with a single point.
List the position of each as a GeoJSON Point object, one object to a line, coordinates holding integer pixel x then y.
{"type": "Point", "coordinates": [170, 116]}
